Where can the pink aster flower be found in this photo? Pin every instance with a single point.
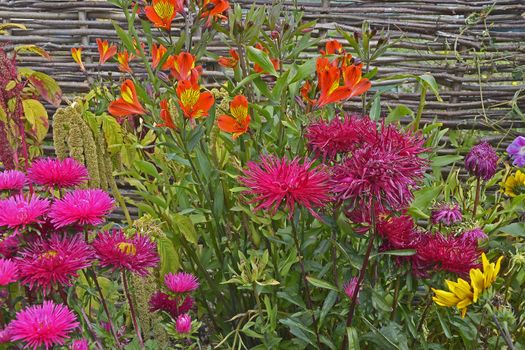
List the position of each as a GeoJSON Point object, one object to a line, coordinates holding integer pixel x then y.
{"type": "Point", "coordinates": [136, 254]}
{"type": "Point", "coordinates": [9, 245]}
{"type": "Point", "coordinates": [475, 235]}
{"type": "Point", "coordinates": [80, 344]}
{"type": "Point", "coordinates": [172, 305]}
{"type": "Point", "coordinates": [12, 180]}
{"type": "Point", "coordinates": [482, 161]}
{"type": "Point", "coordinates": [45, 325]}
{"type": "Point", "coordinates": [54, 261]}
{"type": "Point", "coordinates": [439, 253]}
{"type": "Point", "coordinates": [517, 151]}
{"type": "Point", "coordinates": [58, 173]}
{"type": "Point", "coordinates": [17, 211]}
{"type": "Point", "coordinates": [181, 282]}
{"type": "Point", "coordinates": [5, 337]}
{"type": "Point", "coordinates": [446, 214]}
{"type": "Point", "coordinates": [349, 288]}
{"type": "Point", "coordinates": [274, 181]}
{"type": "Point", "coordinates": [338, 136]}
{"type": "Point", "coordinates": [183, 324]}
{"type": "Point", "coordinates": [82, 207]}
{"type": "Point", "coordinates": [398, 232]}
{"type": "Point", "coordinates": [8, 272]}
{"type": "Point", "coordinates": [384, 171]}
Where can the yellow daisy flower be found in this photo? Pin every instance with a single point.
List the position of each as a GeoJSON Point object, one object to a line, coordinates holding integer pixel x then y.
{"type": "Point", "coordinates": [461, 294]}
{"type": "Point", "coordinates": [514, 184]}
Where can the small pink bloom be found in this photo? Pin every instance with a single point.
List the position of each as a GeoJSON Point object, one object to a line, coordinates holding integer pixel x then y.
{"type": "Point", "coordinates": [163, 302]}
{"type": "Point", "coordinates": [82, 207]}
{"type": "Point", "coordinates": [55, 261]}
{"type": "Point", "coordinates": [349, 288]}
{"type": "Point", "coordinates": [482, 161]}
{"type": "Point", "coordinates": [17, 212]}
{"type": "Point", "coordinates": [136, 254]}
{"type": "Point", "coordinates": [446, 214]}
{"type": "Point", "coordinates": [5, 337]}
{"type": "Point", "coordinates": [51, 172]}
{"type": "Point", "coordinates": [44, 325]}
{"type": "Point", "coordinates": [8, 272]}
{"type": "Point", "coordinates": [80, 344]}
{"type": "Point", "coordinates": [181, 282]}
{"type": "Point", "coordinates": [9, 245]}
{"type": "Point", "coordinates": [183, 324]}
{"type": "Point", "coordinates": [12, 180]}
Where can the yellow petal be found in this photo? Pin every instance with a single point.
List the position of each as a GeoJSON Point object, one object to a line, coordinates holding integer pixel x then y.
{"type": "Point", "coordinates": [477, 282]}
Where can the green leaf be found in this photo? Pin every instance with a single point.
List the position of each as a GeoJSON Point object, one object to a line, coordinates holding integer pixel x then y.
{"type": "Point", "coordinates": [280, 86]}
{"type": "Point", "coordinates": [440, 161]}
{"type": "Point", "coordinates": [375, 110]}
{"type": "Point", "coordinates": [431, 83]}
{"type": "Point", "coordinates": [124, 37]}
{"type": "Point", "coordinates": [261, 58]}
{"type": "Point", "coordinates": [304, 70]}
{"type": "Point", "coordinates": [423, 198]}
{"type": "Point", "coordinates": [353, 338]}
{"type": "Point", "coordinates": [46, 86]}
{"type": "Point", "coordinates": [397, 113]}
{"type": "Point", "coordinates": [112, 132]}
{"type": "Point", "coordinates": [400, 252]}
{"type": "Point", "coordinates": [36, 114]}
{"type": "Point", "coordinates": [320, 283]}
{"type": "Point", "coordinates": [169, 258]}
{"type": "Point", "coordinates": [147, 168]}
{"type": "Point", "coordinates": [33, 49]}
{"type": "Point", "coordinates": [185, 226]}
{"type": "Point", "coordinates": [516, 229]}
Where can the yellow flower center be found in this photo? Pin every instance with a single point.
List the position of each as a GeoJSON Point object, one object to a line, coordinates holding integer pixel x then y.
{"type": "Point", "coordinates": [127, 95]}
{"type": "Point", "coordinates": [239, 112]}
{"type": "Point", "coordinates": [164, 9]}
{"type": "Point", "coordinates": [189, 97]}
{"type": "Point", "coordinates": [127, 248]}
{"type": "Point", "coordinates": [49, 254]}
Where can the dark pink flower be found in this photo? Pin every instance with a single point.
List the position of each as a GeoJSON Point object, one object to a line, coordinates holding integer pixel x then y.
{"type": "Point", "coordinates": [17, 211]}
{"type": "Point", "coordinates": [82, 207]}
{"type": "Point", "coordinates": [12, 180]}
{"type": "Point", "coordinates": [5, 337]}
{"type": "Point", "coordinates": [398, 232]}
{"type": "Point", "coordinates": [9, 245]}
{"type": "Point", "coordinates": [44, 325]}
{"type": "Point", "coordinates": [183, 324]}
{"type": "Point", "coordinates": [327, 139]}
{"type": "Point", "coordinates": [8, 272]}
{"type": "Point", "coordinates": [435, 252]}
{"type": "Point", "coordinates": [181, 282]}
{"type": "Point", "coordinates": [136, 254]}
{"type": "Point", "coordinates": [58, 173]}
{"type": "Point", "coordinates": [54, 262]}
{"type": "Point", "coordinates": [446, 214]}
{"type": "Point", "coordinates": [349, 288]}
{"type": "Point", "coordinates": [475, 235]}
{"type": "Point", "coordinates": [482, 161]}
{"type": "Point", "coordinates": [80, 344]}
{"type": "Point", "coordinates": [384, 171]}
{"type": "Point", "coordinates": [275, 181]}
{"type": "Point", "coordinates": [172, 305]}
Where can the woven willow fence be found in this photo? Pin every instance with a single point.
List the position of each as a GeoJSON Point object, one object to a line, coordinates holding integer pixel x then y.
{"type": "Point", "coordinates": [474, 49]}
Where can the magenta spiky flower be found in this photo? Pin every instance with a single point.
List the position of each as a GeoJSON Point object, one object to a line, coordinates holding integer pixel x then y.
{"type": "Point", "coordinates": [52, 172]}
{"type": "Point", "coordinates": [274, 181]}
{"type": "Point", "coordinates": [9, 245]}
{"type": "Point", "coordinates": [475, 235]}
{"type": "Point", "coordinates": [173, 306]}
{"type": "Point", "coordinates": [398, 232]}
{"type": "Point", "coordinates": [5, 337]}
{"type": "Point", "coordinates": [181, 282]}
{"type": "Point", "coordinates": [117, 252]}
{"type": "Point", "coordinates": [12, 180]}
{"type": "Point", "coordinates": [517, 151]}
{"type": "Point", "coordinates": [482, 161]}
{"type": "Point", "coordinates": [54, 262]}
{"type": "Point", "coordinates": [349, 288]}
{"type": "Point", "coordinates": [81, 207]}
{"type": "Point", "coordinates": [8, 272]}
{"type": "Point", "coordinates": [384, 172]}
{"type": "Point", "coordinates": [17, 211]}
{"type": "Point", "coordinates": [436, 252]}
{"type": "Point", "coordinates": [446, 214]}
{"type": "Point", "coordinates": [183, 324]}
{"type": "Point", "coordinates": [80, 344]}
{"type": "Point", "coordinates": [327, 139]}
{"type": "Point", "coordinates": [44, 325]}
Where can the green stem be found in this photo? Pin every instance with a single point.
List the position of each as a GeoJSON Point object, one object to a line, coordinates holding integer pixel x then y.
{"type": "Point", "coordinates": [420, 107]}
{"type": "Point", "coordinates": [396, 297]}
{"type": "Point", "coordinates": [476, 199]}
{"type": "Point", "coordinates": [504, 333]}
{"type": "Point", "coordinates": [132, 309]}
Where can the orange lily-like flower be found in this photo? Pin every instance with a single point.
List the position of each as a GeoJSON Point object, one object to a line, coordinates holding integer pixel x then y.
{"type": "Point", "coordinates": [165, 115]}
{"type": "Point", "coordinates": [182, 67]}
{"type": "Point", "coordinates": [124, 58]}
{"type": "Point", "coordinates": [192, 101]}
{"type": "Point", "coordinates": [229, 62]}
{"type": "Point", "coordinates": [305, 93]}
{"type": "Point", "coordinates": [76, 53]}
{"type": "Point", "coordinates": [329, 83]}
{"type": "Point", "coordinates": [333, 47]}
{"type": "Point", "coordinates": [157, 53]}
{"type": "Point", "coordinates": [214, 10]}
{"type": "Point", "coordinates": [105, 50]}
{"type": "Point", "coordinates": [128, 104]}
{"type": "Point", "coordinates": [275, 61]}
{"type": "Point", "coordinates": [162, 12]}
{"type": "Point", "coordinates": [239, 121]}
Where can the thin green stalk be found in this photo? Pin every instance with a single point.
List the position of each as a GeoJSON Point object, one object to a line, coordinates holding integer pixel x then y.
{"type": "Point", "coordinates": [132, 309]}
{"type": "Point", "coordinates": [504, 333]}
{"type": "Point", "coordinates": [396, 297]}
{"type": "Point", "coordinates": [476, 199]}
{"type": "Point", "coordinates": [420, 107]}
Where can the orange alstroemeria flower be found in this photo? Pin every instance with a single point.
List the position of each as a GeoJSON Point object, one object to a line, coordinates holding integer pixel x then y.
{"type": "Point", "coordinates": [193, 103]}
{"type": "Point", "coordinates": [165, 115]}
{"type": "Point", "coordinates": [305, 93]}
{"type": "Point", "coordinates": [162, 12]}
{"type": "Point", "coordinates": [275, 61]}
{"type": "Point", "coordinates": [329, 83]}
{"type": "Point", "coordinates": [229, 62]}
{"type": "Point", "coordinates": [333, 47]}
{"type": "Point", "coordinates": [214, 10]}
{"type": "Point", "coordinates": [105, 51]}
{"type": "Point", "coordinates": [182, 67]}
{"type": "Point", "coordinates": [76, 53]}
{"type": "Point", "coordinates": [157, 53]}
{"type": "Point", "coordinates": [128, 104]}
{"type": "Point", "coordinates": [124, 58]}
{"type": "Point", "coordinates": [239, 121]}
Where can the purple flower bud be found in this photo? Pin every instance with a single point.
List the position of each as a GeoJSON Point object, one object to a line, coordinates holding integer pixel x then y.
{"type": "Point", "coordinates": [482, 161]}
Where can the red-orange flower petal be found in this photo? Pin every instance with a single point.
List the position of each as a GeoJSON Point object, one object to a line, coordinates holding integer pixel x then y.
{"type": "Point", "coordinates": [214, 10]}
{"type": "Point", "coordinates": [128, 103]}
{"type": "Point", "coordinates": [183, 67]}
{"type": "Point", "coordinates": [165, 115]}
{"type": "Point", "coordinates": [76, 53]}
{"type": "Point", "coordinates": [105, 50]}
{"type": "Point", "coordinates": [229, 62]}
{"type": "Point", "coordinates": [239, 121]}
{"type": "Point", "coordinates": [333, 47]}
{"type": "Point", "coordinates": [192, 102]}
{"type": "Point", "coordinates": [162, 12]}
{"type": "Point", "coordinates": [157, 53]}
{"type": "Point", "coordinates": [123, 59]}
